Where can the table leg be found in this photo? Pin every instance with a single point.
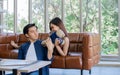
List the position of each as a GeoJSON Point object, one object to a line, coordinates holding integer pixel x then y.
{"type": "Point", "coordinates": [2, 72]}
{"type": "Point", "coordinates": [40, 71]}
{"type": "Point", "coordinates": [14, 71]}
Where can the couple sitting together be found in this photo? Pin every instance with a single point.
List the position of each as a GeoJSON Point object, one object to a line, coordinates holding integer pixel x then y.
{"type": "Point", "coordinates": [36, 49]}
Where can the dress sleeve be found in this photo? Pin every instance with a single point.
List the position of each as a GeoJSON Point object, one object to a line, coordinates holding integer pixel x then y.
{"type": "Point", "coordinates": [53, 36]}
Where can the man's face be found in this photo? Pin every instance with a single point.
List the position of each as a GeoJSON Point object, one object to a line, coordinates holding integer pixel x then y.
{"type": "Point", "coordinates": [32, 34]}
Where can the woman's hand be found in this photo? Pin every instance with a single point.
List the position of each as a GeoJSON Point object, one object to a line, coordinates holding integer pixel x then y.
{"type": "Point", "coordinates": [57, 42]}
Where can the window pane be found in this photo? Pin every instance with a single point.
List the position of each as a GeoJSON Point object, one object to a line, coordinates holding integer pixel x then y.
{"type": "Point", "coordinates": [54, 8]}
{"type": "Point", "coordinates": [38, 14]}
{"type": "Point", "coordinates": [72, 15]}
{"type": "Point", "coordinates": [7, 17]}
{"type": "Point", "coordinates": [109, 27]}
{"type": "Point", "coordinates": [22, 14]}
{"type": "Point", "coordinates": [90, 15]}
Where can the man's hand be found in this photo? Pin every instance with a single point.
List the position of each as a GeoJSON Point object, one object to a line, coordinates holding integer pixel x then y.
{"type": "Point", "coordinates": [49, 44]}
{"type": "Point", "coordinates": [14, 44]}
{"type": "Point", "coordinates": [50, 47]}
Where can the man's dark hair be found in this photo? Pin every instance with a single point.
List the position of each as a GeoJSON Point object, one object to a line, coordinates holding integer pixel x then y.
{"type": "Point", "coordinates": [26, 28]}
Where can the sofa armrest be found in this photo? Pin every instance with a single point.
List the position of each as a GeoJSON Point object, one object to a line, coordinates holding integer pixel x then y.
{"type": "Point", "coordinates": [90, 50]}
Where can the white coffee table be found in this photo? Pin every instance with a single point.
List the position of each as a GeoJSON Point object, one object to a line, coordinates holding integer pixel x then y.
{"type": "Point", "coordinates": [17, 65]}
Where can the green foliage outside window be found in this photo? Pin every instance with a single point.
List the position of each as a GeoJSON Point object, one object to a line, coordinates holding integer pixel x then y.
{"type": "Point", "coordinates": [109, 28]}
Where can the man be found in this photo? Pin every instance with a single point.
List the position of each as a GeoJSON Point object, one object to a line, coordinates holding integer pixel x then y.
{"type": "Point", "coordinates": [33, 50]}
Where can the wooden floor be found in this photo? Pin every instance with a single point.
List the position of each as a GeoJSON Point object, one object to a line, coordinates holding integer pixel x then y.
{"type": "Point", "coordinates": [97, 70]}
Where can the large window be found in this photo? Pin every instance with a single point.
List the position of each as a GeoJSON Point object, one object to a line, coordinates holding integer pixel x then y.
{"type": "Point", "coordinates": [54, 8]}
{"type": "Point", "coordinates": [38, 14]}
{"type": "Point", "coordinates": [72, 15]}
{"type": "Point", "coordinates": [98, 16]}
{"type": "Point", "coordinates": [90, 13]}
{"type": "Point", "coordinates": [6, 15]}
{"type": "Point", "coordinates": [109, 27]}
{"type": "Point", "coordinates": [22, 14]}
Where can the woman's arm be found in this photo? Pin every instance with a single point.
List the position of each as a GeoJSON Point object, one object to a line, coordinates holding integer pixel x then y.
{"type": "Point", "coordinates": [65, 46]}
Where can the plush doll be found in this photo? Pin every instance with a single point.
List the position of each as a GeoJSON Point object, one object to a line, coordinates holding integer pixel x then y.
{"type": "Point", "coordinates": [53, 35]}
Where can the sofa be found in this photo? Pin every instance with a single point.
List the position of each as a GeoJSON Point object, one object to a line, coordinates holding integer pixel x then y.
{"type": "Point", "coordinates": [83, 53]}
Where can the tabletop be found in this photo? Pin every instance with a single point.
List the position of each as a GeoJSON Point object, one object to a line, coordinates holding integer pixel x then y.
{"type": "Point", "coordinates": [22, 65]}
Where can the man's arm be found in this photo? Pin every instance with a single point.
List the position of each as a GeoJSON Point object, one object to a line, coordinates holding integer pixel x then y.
{"type": "Point", "coordinates": [20, 53]}
{"type": "Point", "coordinates": [50, 47]}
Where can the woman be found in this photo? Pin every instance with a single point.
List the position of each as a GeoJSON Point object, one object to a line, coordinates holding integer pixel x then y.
{"type": "Point", "coordinates": [55, 25]}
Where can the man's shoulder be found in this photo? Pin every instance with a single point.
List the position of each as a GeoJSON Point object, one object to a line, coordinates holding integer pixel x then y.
{"type": "Point", "coordinates": [25, 44]}
{"type": "Point", "coordinates": [38, 41]}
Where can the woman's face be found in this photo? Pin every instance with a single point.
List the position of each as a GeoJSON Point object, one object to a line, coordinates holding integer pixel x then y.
{"type": "Point", "coordinates": [54, 27]}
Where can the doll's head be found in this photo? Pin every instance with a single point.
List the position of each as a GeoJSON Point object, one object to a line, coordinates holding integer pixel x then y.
{"type": "Point", "coordinates": [59, 35]}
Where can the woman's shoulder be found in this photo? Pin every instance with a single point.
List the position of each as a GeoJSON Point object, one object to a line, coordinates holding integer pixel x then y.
{"type": "Point", "coordinates": [66, 38]}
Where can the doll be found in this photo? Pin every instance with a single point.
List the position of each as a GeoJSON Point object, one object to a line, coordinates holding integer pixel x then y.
{"type": "Point", "coordinates": [59, 34]}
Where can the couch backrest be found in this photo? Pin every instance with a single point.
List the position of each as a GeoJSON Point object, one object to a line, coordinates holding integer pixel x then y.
{"type": "Point", "coordinates": [5, 41]}
{"type": "Point", "coordinates": [78, 42]}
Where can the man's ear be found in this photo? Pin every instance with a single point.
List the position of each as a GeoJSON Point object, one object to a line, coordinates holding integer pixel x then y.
{"type": "Point", "coordinates": [27, 35]}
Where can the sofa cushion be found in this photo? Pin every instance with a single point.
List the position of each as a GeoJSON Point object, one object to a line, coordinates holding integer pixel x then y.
{"type": "Point", "coordinates": [58, 62]}
{"type": "Point", "coordinates": [73, 62]}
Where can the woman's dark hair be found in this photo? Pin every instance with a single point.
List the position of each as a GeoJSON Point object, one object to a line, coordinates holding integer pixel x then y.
{"type": "Point", "coordinates": [58, 22]}
{"type": "Point", "coordinates": [26, 28]}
